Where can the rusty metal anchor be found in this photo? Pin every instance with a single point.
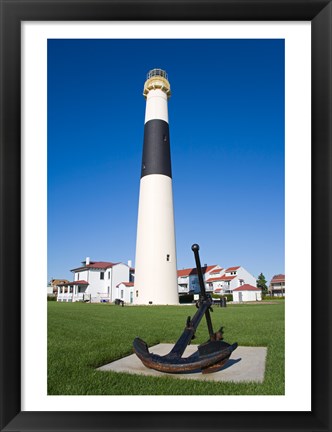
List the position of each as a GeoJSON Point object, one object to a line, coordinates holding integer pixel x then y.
{"type": "Point", "coordinates": [210, 356]}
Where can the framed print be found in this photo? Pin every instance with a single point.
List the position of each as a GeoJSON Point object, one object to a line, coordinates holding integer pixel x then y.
{"type": "Point", "coordinates": [42, 40]}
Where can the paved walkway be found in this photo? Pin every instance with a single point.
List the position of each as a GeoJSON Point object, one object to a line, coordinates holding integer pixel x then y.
{"type": "Point", "coordinates": [246, 364]}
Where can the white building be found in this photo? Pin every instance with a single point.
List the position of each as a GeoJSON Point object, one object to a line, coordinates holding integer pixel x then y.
{"type": "Point", "coordinates": [246, 293]}
{"type": "Point", "coordinates": [226, 281]}
{"type": "Point", "coordinates": [95, 281]}
{"type": "Point", "coordinates": [277, 286]}
{"type": "Point", "coordinates": [125, 292]}
{"type": "Point", "coordinates": [52, 287]}
{"type": "Point", "coordinates": [188, 279]}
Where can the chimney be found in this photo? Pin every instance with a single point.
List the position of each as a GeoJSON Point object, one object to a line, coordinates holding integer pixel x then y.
{"type": "Point", "coordinates": [130, 263]}
{"type": "Point", "coordinates": [87, 261]}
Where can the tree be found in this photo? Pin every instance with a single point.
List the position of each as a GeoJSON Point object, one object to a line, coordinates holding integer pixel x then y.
{"type": "Point", "coordinates": [261, 283]}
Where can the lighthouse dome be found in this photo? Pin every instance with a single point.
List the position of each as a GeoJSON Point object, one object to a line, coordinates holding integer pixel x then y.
{"type": "Point", "coordinates": [157, 79]}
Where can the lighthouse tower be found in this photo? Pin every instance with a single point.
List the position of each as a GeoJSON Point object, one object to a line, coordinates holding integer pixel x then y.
{"type": "Point", "coordinates": [155, 264]}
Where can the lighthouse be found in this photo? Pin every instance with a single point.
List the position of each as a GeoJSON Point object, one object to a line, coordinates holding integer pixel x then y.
{"type": "Point", "coordinates": [155, 264]}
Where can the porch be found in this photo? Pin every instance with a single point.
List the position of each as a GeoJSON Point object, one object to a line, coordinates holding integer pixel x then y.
{"type": "Point", "coordinates": [73, 292]}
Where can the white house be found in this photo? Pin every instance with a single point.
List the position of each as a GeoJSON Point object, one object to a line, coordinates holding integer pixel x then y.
{"type": "Point", "coordinates": [95, 281]}
{"type": "Point", "coordinates": [226, 281]}
{"type": "Point", "coordinates": [215, 280]}
{"type": "Point", "coordinates": [188, 279]}
{"type": "Point", "coordinates": [125, 292]}
{"type": "Point", "coordinates": [52, 287]}
{"type": "Point", "coordinates": [277, 285]}
{"type": "Point", "coordinates": [246, 293]}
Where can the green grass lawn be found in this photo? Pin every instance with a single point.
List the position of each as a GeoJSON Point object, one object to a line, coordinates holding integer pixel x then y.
{"type": "Point", "coordinates": [82, 337]}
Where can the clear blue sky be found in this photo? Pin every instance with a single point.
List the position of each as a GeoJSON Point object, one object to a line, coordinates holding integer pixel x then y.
{"type": "Point", "coordinates": [226, 118]}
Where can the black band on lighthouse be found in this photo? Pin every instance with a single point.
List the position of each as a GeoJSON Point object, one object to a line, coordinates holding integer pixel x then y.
{"type": "Point", "coordinates": [156, 150]}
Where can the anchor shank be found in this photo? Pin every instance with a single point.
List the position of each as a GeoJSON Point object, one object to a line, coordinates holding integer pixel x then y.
{"type": "Point", "coordinates": [204, 295]}
{"type": "Point", "coordinates": [189, 331]}
{"type": "Point", "coordinates": [195, 249]}
{"type": "Point", "coordinates": [209, 324]}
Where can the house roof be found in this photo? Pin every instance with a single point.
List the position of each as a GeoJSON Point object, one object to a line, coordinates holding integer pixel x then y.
{"type": "Point", "coordinates": [101, 265]}
{"type": "Point", "coordinates": [127, 284]}
{"type": "Point", "coordinates": [185, 272]}
{"type": "Point", "coordinates": [278, 278]}
{"type": "Point", "coordinates": [78, 282]}
{"type": "Point", "coordinates": [213, 279]}
{"type": "Point", "coordinates": [232, 269]}
{"type": "Point", "coordinates": [220, 278]}
{"type": "Point", "coordinates": [216, 271]}
{"type": "Point", "coordinates": [247, 287]}
{"type": "Point", "coordinates": [193, 271]}
{"type": "Point", "coordinates": [55, 282]}
{"type": "Point", "coordinates": [227, 278]}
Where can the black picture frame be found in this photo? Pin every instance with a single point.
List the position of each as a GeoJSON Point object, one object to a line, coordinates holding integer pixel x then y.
{"type": "Point", "coordinates": [13, 12]}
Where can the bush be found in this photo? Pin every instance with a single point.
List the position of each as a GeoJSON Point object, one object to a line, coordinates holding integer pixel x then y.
{"type": "Point", "coordinates": [229, 297]}
{"type": "Point", "coordinates": [186, 298]}
{"type": "Point", "coordinates": [268, 297]}
{"type": "Point", "coordinates": [51, 298]}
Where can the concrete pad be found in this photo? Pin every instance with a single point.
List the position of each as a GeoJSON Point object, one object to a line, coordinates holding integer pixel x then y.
{"type": "Point", "coordinates": [245, 364]}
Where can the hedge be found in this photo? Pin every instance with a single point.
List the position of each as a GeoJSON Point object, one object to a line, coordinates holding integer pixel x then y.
{"type": "Point", "coordinates": [267, 297]}
{"type": "Point", "coordinates": [229, 297]}
{"type": "Point", "coordinates": [186, 298]}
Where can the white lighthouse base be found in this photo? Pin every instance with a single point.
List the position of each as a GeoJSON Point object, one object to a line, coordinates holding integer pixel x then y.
{"type": "Point", "coordinates": [155, 264]}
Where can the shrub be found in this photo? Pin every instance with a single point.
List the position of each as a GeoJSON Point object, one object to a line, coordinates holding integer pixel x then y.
{"type": "Point", "coordinates": [268, 297]}
{"type": "Point", "coordinates": [51, 298]}
{"type": "Point", "coordinates": [186, 298]}
{"type": "Point", "coordinates": [229, 297]}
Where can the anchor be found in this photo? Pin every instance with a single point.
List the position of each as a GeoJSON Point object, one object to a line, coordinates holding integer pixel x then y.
{"type": "Point", "coordinates": [210, 357]}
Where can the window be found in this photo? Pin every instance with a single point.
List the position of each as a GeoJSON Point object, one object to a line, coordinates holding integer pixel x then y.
{"type": "Point", "coordinates": [109, 275]}
{"type": "Point", "coordinates": [78, 276]}
{"type": "Point", "coordinates": [136, 293]}
{"type": "Point", "coordinates": [101, 275]}
{"type": "Point", "coordinates": [168, 257]}
{"type": "Point", "coordinates": [122, 294]}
